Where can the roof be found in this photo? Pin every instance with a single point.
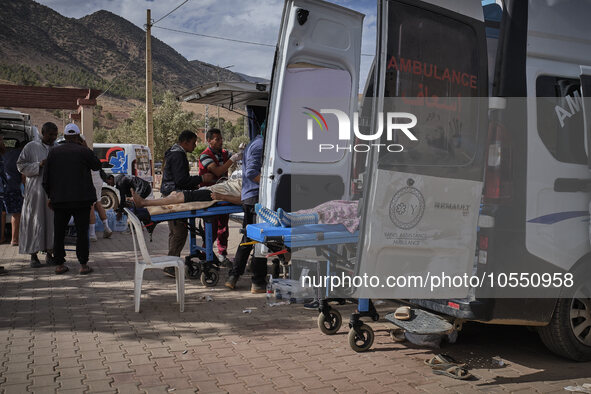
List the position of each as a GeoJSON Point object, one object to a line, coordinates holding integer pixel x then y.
{"type": "Point", "coordinates": [228, 94]}
{"type": "Point", "coordinates": [44, 97]}
{"type": "Point", "coordinates": [10, 114]}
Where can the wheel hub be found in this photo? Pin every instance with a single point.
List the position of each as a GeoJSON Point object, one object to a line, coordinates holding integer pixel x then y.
{"type": "Point", "coordinates": [580, 319]}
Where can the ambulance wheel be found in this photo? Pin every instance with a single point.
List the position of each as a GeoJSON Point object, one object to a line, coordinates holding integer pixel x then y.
{"type": "Point", "coordinates": [209, 278]}
{"type": "Point", "coordinates": [109, 199]}
{"type": "Point", "coordinates": [361, 339]}
{"type": "Point", "coordinates": [331, 323]}
{"type": "Point", "coordinates": [569, 332]}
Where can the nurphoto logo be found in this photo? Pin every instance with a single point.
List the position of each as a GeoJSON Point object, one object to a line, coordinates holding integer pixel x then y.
{"type": "Point", "coordinates": [402, 121]}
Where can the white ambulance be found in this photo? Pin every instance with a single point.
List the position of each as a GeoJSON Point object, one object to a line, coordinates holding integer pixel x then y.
{"type": "Point", "coordinates": [496, 184]}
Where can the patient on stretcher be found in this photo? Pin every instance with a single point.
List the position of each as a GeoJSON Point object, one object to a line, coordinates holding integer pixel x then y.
{"type": "Point", "coordinates": [330, 212]}
{"type": "Point", "coordinates": [224, 191]}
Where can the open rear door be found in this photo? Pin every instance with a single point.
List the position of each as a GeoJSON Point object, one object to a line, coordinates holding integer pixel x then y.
{"type": "Point", "coordinates": [586, 93]}
{"type": "Point", "coordinates": [315, 78]}
{"type": "Point", "coordinates": [423, 194]}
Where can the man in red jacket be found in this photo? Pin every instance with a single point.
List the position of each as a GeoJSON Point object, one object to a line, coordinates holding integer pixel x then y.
{"type": "Point", "coordinates": [216, 160]}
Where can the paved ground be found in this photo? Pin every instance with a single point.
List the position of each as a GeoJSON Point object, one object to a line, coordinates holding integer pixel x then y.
{"type": "Point", "coordinates": [74, 334]}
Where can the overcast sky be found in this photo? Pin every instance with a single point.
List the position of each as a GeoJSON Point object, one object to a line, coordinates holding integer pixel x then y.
{"type": "Point", "coordinates": [247, 20]}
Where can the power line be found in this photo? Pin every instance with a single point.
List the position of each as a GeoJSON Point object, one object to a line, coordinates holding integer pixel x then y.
{"type": "Point", "coordinates": [227, 39]}
{"type": "Point", "coordinates": [216, 37]}
{"type": "Point", "coordinates": [179, 6]}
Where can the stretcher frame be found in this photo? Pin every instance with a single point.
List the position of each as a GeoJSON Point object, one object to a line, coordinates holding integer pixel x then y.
{"type": "Point", "coordinates": [206, 270]}
{"type": "Point", "coordinates": [325, 239]}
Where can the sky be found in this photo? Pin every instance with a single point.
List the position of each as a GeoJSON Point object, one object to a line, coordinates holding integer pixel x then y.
{"type": "Point", "coordinates": [247, 20]}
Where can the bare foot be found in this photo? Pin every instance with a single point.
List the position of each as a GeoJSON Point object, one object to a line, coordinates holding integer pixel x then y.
{"type": "Point", "coordinates": [137, 200]}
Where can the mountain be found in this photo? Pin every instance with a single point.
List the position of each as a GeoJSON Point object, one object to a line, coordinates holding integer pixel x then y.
{"type": "Point", "coordinates": [250, 78]}
{"type": "Point", "coordinates": [38, 46]}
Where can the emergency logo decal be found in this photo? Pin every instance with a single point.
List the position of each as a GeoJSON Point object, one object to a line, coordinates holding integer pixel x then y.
{"type": "Point", "coordinates": [407, 208]}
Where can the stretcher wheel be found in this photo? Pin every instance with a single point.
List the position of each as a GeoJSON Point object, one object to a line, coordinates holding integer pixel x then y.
{"type": "Point", "coordinates": [193, 269]}
{"type": "Point", "coordinates": [361, 339]}
{"type": "Point", "coordinates": [209, 278]}
{"type": "Point", "coordinates": [331, 323]}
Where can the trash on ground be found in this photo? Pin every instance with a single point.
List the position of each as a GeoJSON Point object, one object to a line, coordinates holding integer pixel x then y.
{"type": "Point", "coordinates": [429, 340]}
{"type": "Point", "coordinates": [185, 352]}
{"type": "Point", "coordinates": [279, 303]}
{"type": "Point", "coordinates": [498, 361]}
{"type": "Point", "coordinates": [585, 388]}
{"type": "Point", "coordinates": [207, 298]}
{"type": "Point", "coordinates": [247, 311]}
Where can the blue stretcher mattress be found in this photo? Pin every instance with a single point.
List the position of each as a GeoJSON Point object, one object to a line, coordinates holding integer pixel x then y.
{"type": "Point", "coordinates": [302, 236]}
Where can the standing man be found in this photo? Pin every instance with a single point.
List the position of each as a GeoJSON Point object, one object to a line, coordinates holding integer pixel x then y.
{"type": "Point", "coordinates": [251, 177]}
{"type": "Point", "coordinates": [216, 160]}
{"type": "Point", "coordinates": [36, 226]}
{"type": "Point", "coordinates": [176, 177]}
{"type": "Point", "coordinates": [68, 184]}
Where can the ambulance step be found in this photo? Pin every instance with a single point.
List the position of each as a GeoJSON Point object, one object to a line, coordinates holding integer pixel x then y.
{"type": "Point", "coordinates": [422, 322]}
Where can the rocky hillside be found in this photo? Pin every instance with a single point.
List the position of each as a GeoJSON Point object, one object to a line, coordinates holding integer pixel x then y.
{"type": "Point", "coordinates": [38, 46]}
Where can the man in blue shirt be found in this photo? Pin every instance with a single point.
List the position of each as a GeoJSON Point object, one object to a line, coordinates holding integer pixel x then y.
{"type": "Point", "coordinates": [251, 175]}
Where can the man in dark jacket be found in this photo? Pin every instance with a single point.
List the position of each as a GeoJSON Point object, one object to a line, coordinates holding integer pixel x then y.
{"type": "Point", "coordinates": [68, 184]}
{"type": "Point", "coordinates": [176, 177]}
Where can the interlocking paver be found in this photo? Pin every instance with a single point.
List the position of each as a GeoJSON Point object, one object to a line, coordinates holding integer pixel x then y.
{"type": "Point", "coordinates": [96, 341]}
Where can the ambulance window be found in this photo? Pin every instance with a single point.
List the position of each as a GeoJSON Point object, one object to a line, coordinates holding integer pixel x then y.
{"type": "Point", "coordinates": [303, 127]}
{"type": "Point", "coordinates": [101, 153]}
{"type": "Point", "coordinates": [433, 71]}
{"type": "Point", "coordinates": [560, 118]}
{"type": "Point", "coordinates": [142, 162]}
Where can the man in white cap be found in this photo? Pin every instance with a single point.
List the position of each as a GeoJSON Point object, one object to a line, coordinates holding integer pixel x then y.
{"type": "Point", "coordinates": [36, 226]}
{"type": "Point", "coordinates": [68, 184]}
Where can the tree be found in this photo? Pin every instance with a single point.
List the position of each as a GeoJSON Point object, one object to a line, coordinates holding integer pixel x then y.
{"type": "Point", "coordinates": [169, 121]}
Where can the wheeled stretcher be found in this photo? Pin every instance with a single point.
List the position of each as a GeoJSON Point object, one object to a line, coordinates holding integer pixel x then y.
{"type": "Point", "coordinates": [206, 270]}
{"type": "Point", "coordinates": [326, 239]}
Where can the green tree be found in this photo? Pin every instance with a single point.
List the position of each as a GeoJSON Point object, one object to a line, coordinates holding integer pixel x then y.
{"type": "Point", "coordinates": [169, 121]}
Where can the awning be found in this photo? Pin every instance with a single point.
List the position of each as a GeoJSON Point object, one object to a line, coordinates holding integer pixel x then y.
{"type": "Point", "coordinates": [228, 94]}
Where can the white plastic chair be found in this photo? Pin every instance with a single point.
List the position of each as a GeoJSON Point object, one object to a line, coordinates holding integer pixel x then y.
{"type": "Point", "coordinates": [148, 262]}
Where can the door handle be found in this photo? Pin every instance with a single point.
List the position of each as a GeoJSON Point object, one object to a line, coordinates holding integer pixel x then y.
{"type": "Point", "coordinates": [572, 185]}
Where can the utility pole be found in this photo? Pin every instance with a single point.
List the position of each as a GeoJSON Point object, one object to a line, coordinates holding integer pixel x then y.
{"type": "Point", "coordinates": [149, 102]}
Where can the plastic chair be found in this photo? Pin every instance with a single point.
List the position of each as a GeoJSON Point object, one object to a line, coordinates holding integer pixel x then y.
{"type": "Point", "coordinates": [148, 262]}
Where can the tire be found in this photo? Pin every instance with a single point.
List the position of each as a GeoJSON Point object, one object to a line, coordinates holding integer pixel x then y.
{"type": "Point", "coordinates": [569, 332]}
{"type": "Point", "coordinates": [362, 339]}
{"type": "Point", "coordinates": [330, 324]}
{"type": "Point", "coordinates": [193, 269]}
{"type": "Point", "coordinates": [209, 278]}
{"type": "Point", "coordinates": [109, 199]}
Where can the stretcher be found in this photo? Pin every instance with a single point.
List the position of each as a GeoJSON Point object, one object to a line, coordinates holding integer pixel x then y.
{"type": "Point", "coordinates": [326, 239]}
{"type": "Point", "coordinates": [207, 270]}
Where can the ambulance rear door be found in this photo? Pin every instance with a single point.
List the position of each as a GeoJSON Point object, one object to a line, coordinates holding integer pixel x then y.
{"type": "Point", "coordinates": [307, 158]}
